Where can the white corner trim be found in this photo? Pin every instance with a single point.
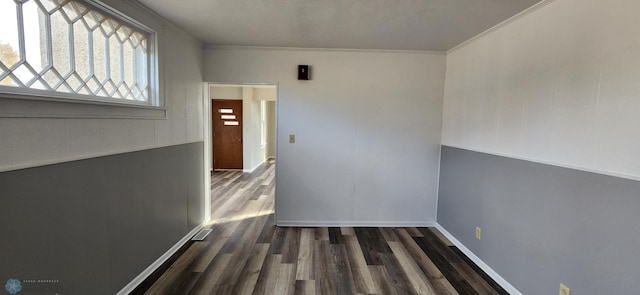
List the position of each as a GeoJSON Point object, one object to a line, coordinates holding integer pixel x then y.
{"type": "Point", "coordinates": [486, 268]}
{"type": "Point", "coordinates": [156, 264]}
{"type": "Point", "coordinates": [50, 105]}
{"type": "Point", "coordinates": [351, 223]}
{"type": "Point", "coordinates": [87, 156]}
{"type": "Point", "coordinates": [544, 162]}
{"type": "Point", "coordinates": [514, 18]}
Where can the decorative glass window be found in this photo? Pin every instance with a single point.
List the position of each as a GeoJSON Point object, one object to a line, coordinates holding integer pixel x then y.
{"type": "Point", "coordinates": [70, 47]}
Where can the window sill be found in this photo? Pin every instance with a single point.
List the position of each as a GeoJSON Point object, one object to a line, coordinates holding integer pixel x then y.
{"type": "Point", "coordinates": [27, 106]}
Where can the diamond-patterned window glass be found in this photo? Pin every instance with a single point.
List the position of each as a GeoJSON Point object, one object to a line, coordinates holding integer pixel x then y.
{"type": "Point", "coordinates": [67, 46]}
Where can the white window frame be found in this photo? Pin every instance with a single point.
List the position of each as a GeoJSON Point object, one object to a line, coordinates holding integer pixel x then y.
{"type": "Point", "coordinates": [23, 102]}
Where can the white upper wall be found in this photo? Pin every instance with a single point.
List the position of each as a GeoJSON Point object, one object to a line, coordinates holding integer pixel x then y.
{"type": "Point", "coordinates": [265, 93]}
{"type": "Point", "coordinates": [367, 131]}
{"type": "Point", "coordinates": [271, 128]}
{"type": "Point", "coordinates": [27, 142]}
{"type": "Point", "coordinates": [560, 85]}
{"type": "Point", "coordinates": [253, 152]}
{"type": "Point", "coordinates": [225, 92]}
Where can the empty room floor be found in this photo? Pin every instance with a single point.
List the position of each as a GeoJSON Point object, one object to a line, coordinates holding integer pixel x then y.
{"type": "Point", "coordinates": [247, 254]}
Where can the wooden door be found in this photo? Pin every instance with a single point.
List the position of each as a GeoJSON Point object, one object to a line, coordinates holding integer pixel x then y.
{"type": "Point", "coordinates": [226, 118]}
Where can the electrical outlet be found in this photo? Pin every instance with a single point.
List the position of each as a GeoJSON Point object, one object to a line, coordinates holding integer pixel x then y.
{"type": "Point", "coordinates": [478, 233]}
{"type": "Point", "coordinates": [564, 290]}
{"type": "Point", "coordinates": [292, 138]}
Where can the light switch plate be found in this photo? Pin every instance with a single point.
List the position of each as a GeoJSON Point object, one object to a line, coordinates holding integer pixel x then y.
{"type": "Point", "coordinates": [564, 290]}
{"type": "Point", "coordinates": [478, 233]}
{"type": "Point", "coordinates": [292, 138]}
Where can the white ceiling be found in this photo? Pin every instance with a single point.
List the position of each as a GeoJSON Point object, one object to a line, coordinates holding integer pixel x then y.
{"type": "Point", "coordinates": [436, 25]}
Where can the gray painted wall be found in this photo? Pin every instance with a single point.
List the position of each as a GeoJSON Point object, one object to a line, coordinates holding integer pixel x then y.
{"type": "Point", "coordinates": [543, 225]}
{"type": "Point", "coordinates": [95, 224]}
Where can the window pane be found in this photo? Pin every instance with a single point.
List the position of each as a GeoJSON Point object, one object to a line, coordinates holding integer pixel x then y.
{"type": "Point", "coordinates": [50, 5]}
{"type": "Point", "coordinates": [124, 33]}
{"type": "Point", "coordinates": [74, 82]}
{"type": "Point", "coordinates": [136, 92]}
{"type": "Point", "coordinates": [99, 56]}
{"type": "Point", "coordinates": [141, 67]}
{"type": "Point", "coordinates": [115, 58]}
{"type": "Point", "coordinates": [93, 20]}
{"type": "Point", "coordinates": [9, 42]}
{"type": "Point", "coordinates": [84, 90]}
{"type": "Point", "coordinates": [231, 123]}
{"type": "Point", "coordinates": [81, 49]}
{"type": "Point", "coordinates": [129, 66]}
{"type": "Point", "coordinates": [60, 43]}
{"type": "Point", "coordinates": [52, 78]}
{"type": "Point", "coordinates": [125, 91]}
{"type": "Point", "coordinates": [39, 85]}
{"type": "Point", "coordinates": [94, 85]}
{"type": "Point", "coordinates": [109, 27]}
{"type": "Point", "coordinates": [35, 26]}
{"type": "Point", "coordinates": [110, 88]}
{"type": "Point", "coordinates": [74, 11]}
{"type": "Point", "coordinates": [25, 74]}
{"type": "Point", "coordinates": [8, 81]}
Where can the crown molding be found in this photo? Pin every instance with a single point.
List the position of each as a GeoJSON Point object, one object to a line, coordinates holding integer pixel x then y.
{"type": "Point", "coordinates": [510, 20]}
{"type": "Point", "coordinates": [225, 47]}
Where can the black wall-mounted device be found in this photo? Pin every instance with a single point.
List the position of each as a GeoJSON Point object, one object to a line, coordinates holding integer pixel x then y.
{"type": "Point", "coordinates": [304, 72]}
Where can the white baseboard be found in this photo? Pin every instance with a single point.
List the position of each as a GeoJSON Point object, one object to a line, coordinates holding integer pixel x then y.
{"type": "Point", "coordinates": [486, 268]}
{"type": "Point", "coordinates": [156, 264]}
{"type": "Point", "coordinates": [307, 223]}
{"type": "Point", "coordinates": [252, 169]}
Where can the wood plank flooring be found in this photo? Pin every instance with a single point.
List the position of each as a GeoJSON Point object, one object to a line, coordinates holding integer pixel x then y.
{"type": "Point", "coordinates": [247, 254]}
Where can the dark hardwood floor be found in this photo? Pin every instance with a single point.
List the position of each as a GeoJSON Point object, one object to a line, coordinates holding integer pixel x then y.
{"type": "Point", "coordinates": [247, 254]}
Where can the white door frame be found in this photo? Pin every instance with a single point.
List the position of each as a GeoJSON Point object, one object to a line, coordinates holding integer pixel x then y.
{"type": "Point", "coordinates": [206, 130]}
{"type": "Point", "coordinates": [208, 167]}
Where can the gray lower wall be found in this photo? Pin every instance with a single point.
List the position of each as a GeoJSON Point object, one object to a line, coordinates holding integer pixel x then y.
{"type": "Point", "coordinates": [95, 224]}
{"type": "Point", "coordinates": [543, 225]}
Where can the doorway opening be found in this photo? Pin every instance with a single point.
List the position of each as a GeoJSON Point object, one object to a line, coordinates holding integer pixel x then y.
{"type": "Point", "coordinates": [240, 150]}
